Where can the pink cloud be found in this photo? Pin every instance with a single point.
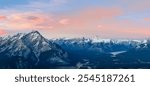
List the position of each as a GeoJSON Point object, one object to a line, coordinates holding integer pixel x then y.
{"type": "Point", "coordinates": [99, 26]}
{"type": "Point", "coordinates": [123, 29]}
{"type": "Point", "coordinates": [147, 19]}
{"type": "Point", "coordinates": [28, 20]}
{"type": "Point", "coordinates": [21, 21]}
{"type": "Point", "coordinates": [100, 13]}
{"type": "Point", "coordinates": [133, 33]}
{"type": "Point", "coordinates": [64, 21]}
{"type": "Point", "coordinates": [2, 17]}
{"type": "Point", "coordinates": [87, 22]}
{"type": "Point", "coordinates": [85, 17]}
{"type": "Point", "coordinates": [97, 14]}
{"type": "Point", "coordinates": [2, 32]}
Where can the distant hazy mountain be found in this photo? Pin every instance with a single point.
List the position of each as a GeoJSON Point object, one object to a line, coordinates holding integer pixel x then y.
{"type": "Point", "coordinates": [99, 46]}
{"type": "Point", "coordinates": [30, 50]}
{"type": "Point", "coordinates": [107, 53]}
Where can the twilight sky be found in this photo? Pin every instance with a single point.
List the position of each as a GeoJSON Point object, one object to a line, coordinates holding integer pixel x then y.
{"type": "Point", "coordinates": [117, 19]}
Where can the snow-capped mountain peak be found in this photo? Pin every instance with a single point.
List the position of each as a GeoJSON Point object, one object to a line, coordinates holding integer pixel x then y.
{"type": "Point", "coordinates": [32, 41]}
{"type": "Point", "coordinates": [36, 42]}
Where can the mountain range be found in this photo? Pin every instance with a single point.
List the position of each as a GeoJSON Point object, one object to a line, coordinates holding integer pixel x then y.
{"type": "Point", "coordinates": [30, 50]}
{"type": "Point", "coordinates": [33, 51]}
{"type": "Point", "coordinates": [107, 53]}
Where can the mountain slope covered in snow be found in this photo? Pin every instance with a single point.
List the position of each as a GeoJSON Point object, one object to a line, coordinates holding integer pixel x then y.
{"type": "Point", "coordinates": [30, 51]}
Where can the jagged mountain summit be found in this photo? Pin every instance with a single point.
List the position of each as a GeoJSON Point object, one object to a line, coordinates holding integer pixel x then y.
{"type": "Point", "coordinates": [30, 50]}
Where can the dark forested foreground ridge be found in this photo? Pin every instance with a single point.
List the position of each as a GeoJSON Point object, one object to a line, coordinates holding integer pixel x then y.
{"type": "Point", "coordinates": [32, 51]}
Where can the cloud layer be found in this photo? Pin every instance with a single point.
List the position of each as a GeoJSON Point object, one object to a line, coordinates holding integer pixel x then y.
{"type": "Point", "coordinates": [53, 17]}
